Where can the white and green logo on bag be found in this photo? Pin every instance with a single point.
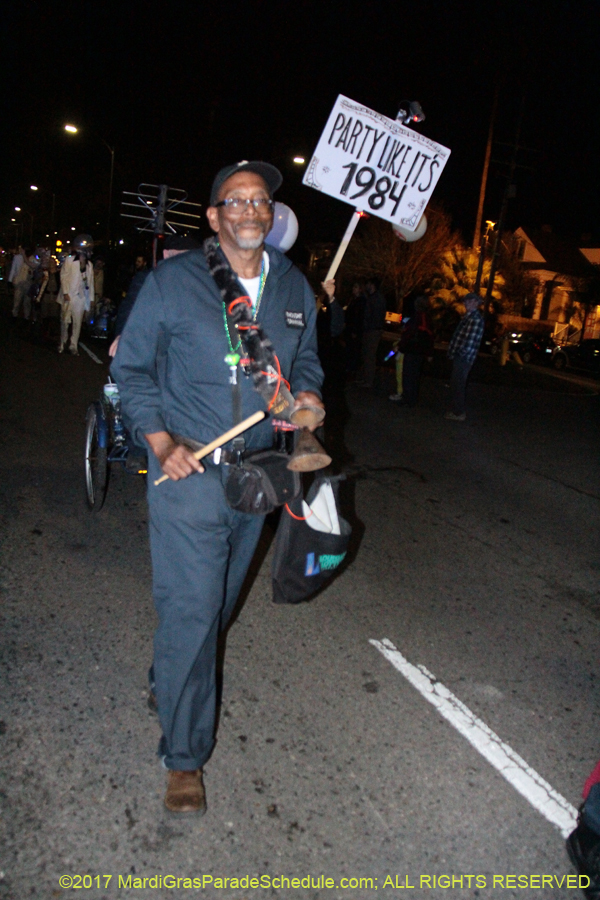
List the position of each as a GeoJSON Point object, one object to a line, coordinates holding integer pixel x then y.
{"type": "Point", "coordinates": [325, 562]}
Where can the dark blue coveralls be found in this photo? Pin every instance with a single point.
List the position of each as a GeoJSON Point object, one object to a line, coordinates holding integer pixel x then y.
{"type": "Point", "coordinates": [172, 377]}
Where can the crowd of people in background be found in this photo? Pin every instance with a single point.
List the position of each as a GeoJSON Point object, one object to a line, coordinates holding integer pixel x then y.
{"type": "Point", "coordinates": [350, 328]}
{"type": "Point", "coordinates": [350, 342]}
{"type": "Point", "coordinates": [56, 294]}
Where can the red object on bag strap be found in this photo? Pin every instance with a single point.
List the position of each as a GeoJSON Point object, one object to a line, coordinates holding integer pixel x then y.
{"type": "Point", "coordinates": [298, 518]}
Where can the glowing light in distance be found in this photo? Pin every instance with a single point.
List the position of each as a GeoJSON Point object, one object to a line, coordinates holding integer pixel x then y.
{"type": "Point", "coordinates": [17, 209]}
{"type": "Point", "coordinates": [299, 160]}
{"type": "Point", "coordinates": [33, 187]}
{"type": "Point", "coordinates": [121, 241]}
{"type": "Point", "coordinates": [71, 129]}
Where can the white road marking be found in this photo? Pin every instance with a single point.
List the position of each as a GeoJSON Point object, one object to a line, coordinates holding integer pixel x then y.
{"type": "Point", "coordinates": [511, 766]}
{"type": "Point", "coordinates": [89, 353]}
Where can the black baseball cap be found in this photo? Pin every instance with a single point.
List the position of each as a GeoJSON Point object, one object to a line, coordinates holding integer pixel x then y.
{"type": "Point", "coordinates": [272, 176]}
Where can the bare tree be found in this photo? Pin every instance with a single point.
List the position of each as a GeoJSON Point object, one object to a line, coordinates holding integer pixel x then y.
{"type": "Point", "coordinates": [401, 266]}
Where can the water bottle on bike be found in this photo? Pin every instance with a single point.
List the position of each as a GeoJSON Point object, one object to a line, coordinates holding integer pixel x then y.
{"type": "Point", "coordinates": [111, 395]}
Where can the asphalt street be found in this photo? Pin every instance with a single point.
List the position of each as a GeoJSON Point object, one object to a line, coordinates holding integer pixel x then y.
{"type": "Point", "coordinates": [475, 554]}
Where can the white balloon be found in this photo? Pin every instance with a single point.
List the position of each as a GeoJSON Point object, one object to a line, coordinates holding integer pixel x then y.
{"type": "Point", "coordinates": [404, 235]}
{"type": "Point", "coordinates": [284, 232]}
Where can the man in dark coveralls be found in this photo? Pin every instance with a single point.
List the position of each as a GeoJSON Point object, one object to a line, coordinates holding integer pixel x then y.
{"type": "Point", "coordinates": [175, 376]}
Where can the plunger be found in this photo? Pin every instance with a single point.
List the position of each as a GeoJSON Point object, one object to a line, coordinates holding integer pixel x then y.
{"type": "Point", "coordinates": [308, 455]}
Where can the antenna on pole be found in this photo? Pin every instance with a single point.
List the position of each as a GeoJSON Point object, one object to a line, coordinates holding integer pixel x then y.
{"type": "Point", "coordinates": [160, 208]}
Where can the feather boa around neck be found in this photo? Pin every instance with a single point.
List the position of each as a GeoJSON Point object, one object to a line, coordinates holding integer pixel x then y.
{"type": "Point", "coordinates": [255, 344]}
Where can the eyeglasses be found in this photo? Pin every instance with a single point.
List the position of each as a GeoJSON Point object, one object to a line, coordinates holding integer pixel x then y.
{"type": "Point", "coordinates": [239, 204]}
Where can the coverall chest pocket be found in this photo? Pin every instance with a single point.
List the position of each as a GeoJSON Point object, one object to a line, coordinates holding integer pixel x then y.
{"type": "Point", "coordinates": [198, 350]}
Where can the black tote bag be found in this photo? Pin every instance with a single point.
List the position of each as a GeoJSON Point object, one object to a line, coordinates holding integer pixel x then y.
{"type": "Point", "coordinates": [304, 559]}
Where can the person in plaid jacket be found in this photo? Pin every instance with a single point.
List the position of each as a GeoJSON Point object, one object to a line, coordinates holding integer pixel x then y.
{"type": "Point", "coordinates": [462, 350]}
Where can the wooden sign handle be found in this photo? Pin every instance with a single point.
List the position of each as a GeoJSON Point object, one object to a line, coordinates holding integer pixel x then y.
{"type": "Point", "coordinates": [356, 216]}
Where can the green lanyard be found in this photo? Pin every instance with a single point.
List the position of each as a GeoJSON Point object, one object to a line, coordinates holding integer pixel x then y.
{"type": "Point", "coordinates": [261, 287]}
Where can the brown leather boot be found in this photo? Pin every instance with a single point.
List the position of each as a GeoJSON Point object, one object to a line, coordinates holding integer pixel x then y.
{"type": "Point", "coordinates": [185, 792]}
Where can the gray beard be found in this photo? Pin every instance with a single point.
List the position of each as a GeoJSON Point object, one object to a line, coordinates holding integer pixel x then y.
{"type": "Point", "coordinates": [250, 243]}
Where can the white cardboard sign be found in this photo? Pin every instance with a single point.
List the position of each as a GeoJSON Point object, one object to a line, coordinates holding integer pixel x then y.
{"type": "Point", "coordinates": [376, 164]}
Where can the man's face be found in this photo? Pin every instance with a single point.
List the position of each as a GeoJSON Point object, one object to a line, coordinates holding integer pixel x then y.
{"type": "Point", "coordinates": [140, 262]}
{"type": "Point", "coordinates": [245, 228]}
{"type": "Point", "coordinates": [471, 305]}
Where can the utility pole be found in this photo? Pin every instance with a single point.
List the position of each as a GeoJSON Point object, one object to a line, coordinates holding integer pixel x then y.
{"type": "Point", "coordinates": [509, 193]}
{"type": "Point", "coordinates": [484, 174]}
{"type": "Point", "coordinates": [482, 255]}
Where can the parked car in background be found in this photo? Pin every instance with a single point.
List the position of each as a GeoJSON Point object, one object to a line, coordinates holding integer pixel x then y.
{"type": "Point", "coordinates": [531, 347]}
{"type": "Point", "coordinates": [584, 356]}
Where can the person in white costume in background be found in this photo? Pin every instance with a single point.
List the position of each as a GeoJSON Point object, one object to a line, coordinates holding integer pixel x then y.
{"type": "Point", "coordinates": [76, 294]}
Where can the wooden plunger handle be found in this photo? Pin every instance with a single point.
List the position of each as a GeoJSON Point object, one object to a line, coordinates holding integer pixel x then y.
{"type": "Point", "coordinates": [228, 436]}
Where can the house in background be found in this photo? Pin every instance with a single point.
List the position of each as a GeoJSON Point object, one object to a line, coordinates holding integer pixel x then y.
{"type": "Point", "coordinates": [566, 276]}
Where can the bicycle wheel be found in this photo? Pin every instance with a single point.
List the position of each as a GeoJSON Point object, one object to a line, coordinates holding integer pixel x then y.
{"type": "Point", "coordinates": [96, 463]}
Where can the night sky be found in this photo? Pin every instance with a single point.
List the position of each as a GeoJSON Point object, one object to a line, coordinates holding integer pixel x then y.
{"type": "Point", "coordinates": [180, 89]}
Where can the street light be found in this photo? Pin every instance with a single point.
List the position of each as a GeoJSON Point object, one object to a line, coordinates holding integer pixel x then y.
{"type": "Point", "coordinates": [299, 160]}
{"type": "Point", "coordinates": [72, 129]}
{"type": "Point", "coordinates": [19, 210]}
{"type": "Point", "coordinates": [34, 187]}
{"type": "Point", "coordinates": [18, 227]}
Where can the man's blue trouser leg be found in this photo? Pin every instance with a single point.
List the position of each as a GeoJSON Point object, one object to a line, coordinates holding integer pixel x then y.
{"type": "Point", "coordinates": [201, 551]}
